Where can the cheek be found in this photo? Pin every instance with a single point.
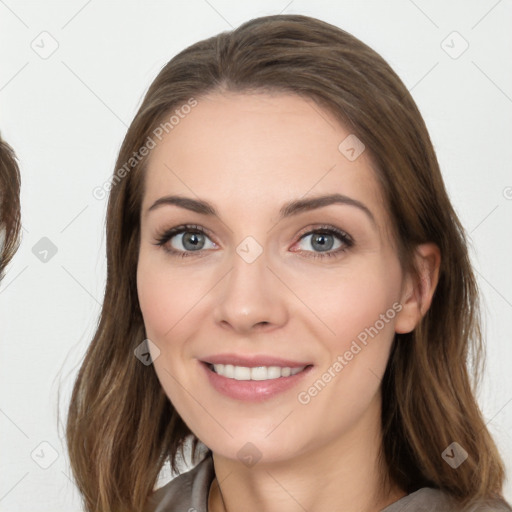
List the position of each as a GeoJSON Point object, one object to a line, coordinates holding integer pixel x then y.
{"type": "Point", "coordinates": [161, 296]}
{"type": "Point", "coordinates": [349, 302]}
{"type": "Point", "coordinates": [361, 311]}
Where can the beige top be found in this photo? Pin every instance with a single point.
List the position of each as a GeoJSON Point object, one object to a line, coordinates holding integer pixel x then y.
{"type": "Point", "coordinates": [189, 491]}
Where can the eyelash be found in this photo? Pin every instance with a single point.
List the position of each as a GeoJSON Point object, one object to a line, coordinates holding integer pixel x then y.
{"type": "Point", "coordinates": [165, 236]}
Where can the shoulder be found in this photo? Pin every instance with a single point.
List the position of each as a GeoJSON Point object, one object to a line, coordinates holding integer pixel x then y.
{"type": "Point", "coordinates": [428, 499]}
{"type": "Point", "coordinates": [186, 491]}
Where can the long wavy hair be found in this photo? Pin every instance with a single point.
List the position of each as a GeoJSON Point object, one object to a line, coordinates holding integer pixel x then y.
{"type": "Point", "coordinates": [10, 212]}
{"type": "Point", "coordinates": [121, 427]}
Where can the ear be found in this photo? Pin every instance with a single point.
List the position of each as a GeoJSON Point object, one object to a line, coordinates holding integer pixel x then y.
{"type": "Point", "coordinates": [417, 292]}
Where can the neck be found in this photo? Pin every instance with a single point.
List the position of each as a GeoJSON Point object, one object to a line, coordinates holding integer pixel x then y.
{"type": "Point", "coordinates": [343, 474]}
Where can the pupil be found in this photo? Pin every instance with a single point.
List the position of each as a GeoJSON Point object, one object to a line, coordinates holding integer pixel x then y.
{"type": "Point", "coordinates": [192, 239]}
{"type": "Point", "coordinates": [321, 239]}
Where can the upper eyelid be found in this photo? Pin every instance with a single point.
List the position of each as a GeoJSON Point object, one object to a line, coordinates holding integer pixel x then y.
{"type": "Point", "coordinates": [180, 229]}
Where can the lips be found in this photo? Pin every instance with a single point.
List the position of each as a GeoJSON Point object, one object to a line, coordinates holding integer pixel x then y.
{"type": "Point", "coordinates": [251, 361]}
{"type": "Point", "coordinates": [263, 387]}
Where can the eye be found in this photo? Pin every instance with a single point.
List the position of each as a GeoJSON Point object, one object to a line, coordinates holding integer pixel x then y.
{"type": "Point", "coordinates": [184, 240]}
{"type": "Point", "coordinates": [324, 239]}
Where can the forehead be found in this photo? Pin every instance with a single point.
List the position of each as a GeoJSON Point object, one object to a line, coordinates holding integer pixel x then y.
{"type": "Point", "coordinates": [258, 151]}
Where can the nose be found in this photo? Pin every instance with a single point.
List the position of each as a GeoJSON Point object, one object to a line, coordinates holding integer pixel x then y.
{"type": "Point", "coordinates": [250, 297]}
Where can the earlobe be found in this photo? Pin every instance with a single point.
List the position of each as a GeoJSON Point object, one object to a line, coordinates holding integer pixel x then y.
{"type": "Point", "coordinates": [419, 290]}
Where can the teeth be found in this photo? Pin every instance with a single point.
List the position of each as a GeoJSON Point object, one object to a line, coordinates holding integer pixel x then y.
{"type": "Point", "coordinates": [255, 373]}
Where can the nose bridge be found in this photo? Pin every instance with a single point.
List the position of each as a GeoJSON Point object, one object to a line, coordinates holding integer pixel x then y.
{"type": "Point", "coordinates": [251, 295]}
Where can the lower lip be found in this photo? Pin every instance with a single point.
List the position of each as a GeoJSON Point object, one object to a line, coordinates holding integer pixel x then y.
{"type": "Point", "coordinates": [253, 390]}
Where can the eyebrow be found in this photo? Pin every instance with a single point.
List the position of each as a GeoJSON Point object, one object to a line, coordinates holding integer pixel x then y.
{"type": "Point", "coordinates": [291, 208]}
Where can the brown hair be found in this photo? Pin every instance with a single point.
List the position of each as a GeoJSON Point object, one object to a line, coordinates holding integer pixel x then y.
{"type": "Point", "coordinates": [121, 426]}
{"type": "Point", "coordinates": [10, 216]}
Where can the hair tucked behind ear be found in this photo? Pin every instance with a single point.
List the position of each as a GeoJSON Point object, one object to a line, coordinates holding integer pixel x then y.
{"type": "Point", "coordinates": [10, 216]}
{"type": "Point", "coordinates": [121, 427]}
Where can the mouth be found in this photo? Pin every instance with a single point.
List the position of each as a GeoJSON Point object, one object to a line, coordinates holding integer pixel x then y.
{"type": "Point", "coordinates": [257, 373]}
{"type": "Point", "coordinates": [265, 377]}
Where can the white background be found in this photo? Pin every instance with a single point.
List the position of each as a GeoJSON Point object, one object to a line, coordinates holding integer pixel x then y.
{"type": "Point", "coordinates": [66, 116]}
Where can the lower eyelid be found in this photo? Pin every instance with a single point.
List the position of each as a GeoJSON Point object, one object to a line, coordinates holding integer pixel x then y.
{"type": "Point", "coordinates": [344, 243]}
{"type": "Point", "coordinates": [195, 231]}
{"type": "Point", "coordinates": [345, 239]}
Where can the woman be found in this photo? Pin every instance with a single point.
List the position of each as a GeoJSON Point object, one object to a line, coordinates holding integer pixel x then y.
{"type": "Point", "coordinates": [10, 217]}
{"type": "Point", "coordinates": [281, 247]}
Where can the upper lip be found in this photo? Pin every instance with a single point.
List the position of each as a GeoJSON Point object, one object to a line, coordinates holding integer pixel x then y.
{"type": "Point", "coordinates": [251, 361]}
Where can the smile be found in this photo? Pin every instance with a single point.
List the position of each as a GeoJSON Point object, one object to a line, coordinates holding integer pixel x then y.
{"type": "Point", "coordinates": [253, 383]}
{"type": "Point", "coordinates": [254, 373]}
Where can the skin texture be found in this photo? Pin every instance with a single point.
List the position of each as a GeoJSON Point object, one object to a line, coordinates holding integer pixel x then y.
{"type": "Point", "coordinates": [248, 155]}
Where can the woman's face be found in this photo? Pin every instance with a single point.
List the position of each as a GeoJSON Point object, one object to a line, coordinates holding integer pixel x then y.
{"type": "Point", "coordinates": [260, 283]}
